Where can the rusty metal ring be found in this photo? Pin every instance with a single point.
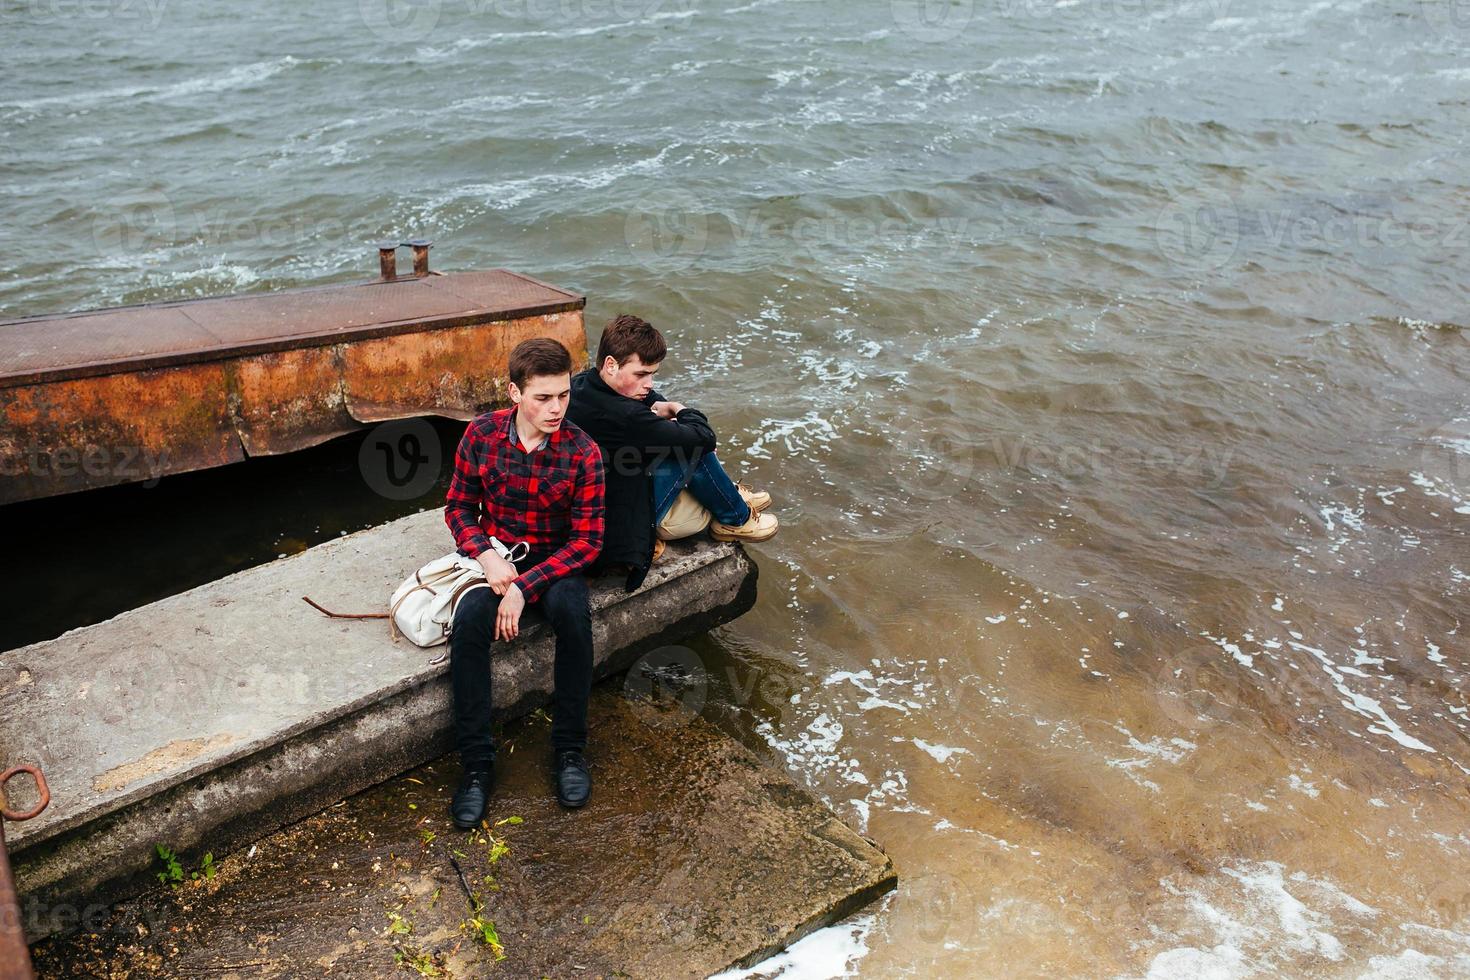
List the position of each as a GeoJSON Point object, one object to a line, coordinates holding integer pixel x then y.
{"type": "Point", "coordinates": [41, 787]}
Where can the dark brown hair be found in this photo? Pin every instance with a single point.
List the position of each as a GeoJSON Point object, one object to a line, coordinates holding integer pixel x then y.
{"type": "Point", "coordinates": [536, 357]}
{"type": "Point", "coordinates": [627, 335]}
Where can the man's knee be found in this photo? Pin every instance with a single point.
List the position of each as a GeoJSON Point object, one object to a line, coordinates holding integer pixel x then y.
{"type": "Point", "coordinates": [567, 601]}
{"type": "Point", "coordinates": [476, 608]}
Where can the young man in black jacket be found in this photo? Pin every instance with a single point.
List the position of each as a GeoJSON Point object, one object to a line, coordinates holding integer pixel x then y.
{"type": "Point", "coordinates": [652, 450]}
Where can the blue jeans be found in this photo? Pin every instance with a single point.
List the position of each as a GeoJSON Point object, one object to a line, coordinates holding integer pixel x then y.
{"type": "Point", "coordinates": [707, 480]}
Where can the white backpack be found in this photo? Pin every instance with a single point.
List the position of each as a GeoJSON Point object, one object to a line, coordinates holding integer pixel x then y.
{"type": "Point", "coordinates": [422, 608]}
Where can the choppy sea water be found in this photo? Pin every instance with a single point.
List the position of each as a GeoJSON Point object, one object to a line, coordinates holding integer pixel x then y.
{"type": "Point", "coordinates": [1107, 362]}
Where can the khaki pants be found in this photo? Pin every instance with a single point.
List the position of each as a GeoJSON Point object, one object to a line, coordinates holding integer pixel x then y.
{"type": "Point", "coordinates": [687, 517]}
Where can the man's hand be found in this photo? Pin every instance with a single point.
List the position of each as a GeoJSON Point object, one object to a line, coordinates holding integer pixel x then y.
{"type": "Point", "coordinates": [498, 572]}
{"type": "Point", "coordinates": [667, 410]}
{"type": "Point", "coordinates": [508, 617]}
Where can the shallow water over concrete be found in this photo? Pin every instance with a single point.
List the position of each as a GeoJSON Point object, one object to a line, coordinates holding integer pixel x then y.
{"type": "Point", "coordinates": [689, 856]}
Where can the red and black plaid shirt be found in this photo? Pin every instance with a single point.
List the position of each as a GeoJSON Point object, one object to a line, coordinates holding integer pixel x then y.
{"type": "Point", "coordinates": [551, 498]}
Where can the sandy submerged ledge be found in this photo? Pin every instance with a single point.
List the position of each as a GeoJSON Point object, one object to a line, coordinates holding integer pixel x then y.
{"type": "Point", "coordinates": [692, 856]}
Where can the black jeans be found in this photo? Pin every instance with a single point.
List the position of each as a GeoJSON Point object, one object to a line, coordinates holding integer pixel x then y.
{"type": "Point", "coordinates": [565, 605]}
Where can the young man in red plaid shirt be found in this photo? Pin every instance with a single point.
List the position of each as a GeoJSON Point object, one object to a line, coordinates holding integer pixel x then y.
{"type": "Point", "coordinates": [525, 474]}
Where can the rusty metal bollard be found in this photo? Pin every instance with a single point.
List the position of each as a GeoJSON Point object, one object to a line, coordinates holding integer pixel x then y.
{"type": "Point", "coordinates": [387, 261]}
{"type": "Point", "coordinates": [420, 248]}
{"type": "Point", "coordinates": [15, 956]}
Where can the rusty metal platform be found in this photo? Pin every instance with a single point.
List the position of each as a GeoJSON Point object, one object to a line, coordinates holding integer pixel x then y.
{"type": "Point", "coordinates": [131, 394]}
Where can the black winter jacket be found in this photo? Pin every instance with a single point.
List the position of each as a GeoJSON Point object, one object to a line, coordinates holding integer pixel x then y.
{"type": "Point", "coordinates": [633, 441]}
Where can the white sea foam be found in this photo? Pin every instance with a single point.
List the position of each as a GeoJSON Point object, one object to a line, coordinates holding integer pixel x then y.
{"type": "Point", "coordinates": [497, 37]}
{"type": "Point", "coordinates": [940, 753]}
{"type": "Point", "coordinates": [1302, 786]}
{"type": "Point", "coordinates": [1223, 962]}
{"type": "Point", "coordinates": [219, 276]}
{"type": "Point", "coordinates": [1350, 518]}
{"type": "Point", "coordinates": [502, 194]}
{"type": "Point", "coordinates": [241, 76]}
{"type": "Point", "coordinates": [865, 681]}
{"type": "Point", "coordinates": [1259, 920]}
{"type": "Point", "coordinates": [824, 955]}
{"type": "Point", "coordinates": [1155, 749]}
{"type": "Point", "coordinates": [812, 749]}
{"type": "Point", "coordinates": [1361, 703]}
{"type": "Point", "coordinates": [785, 76]}
{"type": "Point", "coordinates": [1438, 488]}
{"type": "Point", "coordinates": [793, 435]}
{"type": "Point", "coordinates": [1242, 658]}
{"type": "Point", "coordinates": [1299, 926]}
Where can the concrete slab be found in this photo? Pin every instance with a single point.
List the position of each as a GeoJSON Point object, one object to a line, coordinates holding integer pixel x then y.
{"type": "Point", "coordinates": [690, 857]}
{"type": "Point", "coordinates": [216, 716]}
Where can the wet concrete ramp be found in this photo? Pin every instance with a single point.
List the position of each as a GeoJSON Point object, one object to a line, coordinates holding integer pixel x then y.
{"type": "Point", "coordinates": [690, 857]}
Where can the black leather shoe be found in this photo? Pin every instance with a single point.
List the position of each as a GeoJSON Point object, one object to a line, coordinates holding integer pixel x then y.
{"type": "Point", "coordinates": [468, 806]}
{"type": "Point", "coordinates": [573, 781]}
